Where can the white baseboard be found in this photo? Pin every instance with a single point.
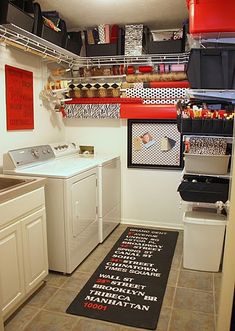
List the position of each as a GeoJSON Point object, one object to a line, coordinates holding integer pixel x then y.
{"type": "Point", "coordinates": [154, 224]}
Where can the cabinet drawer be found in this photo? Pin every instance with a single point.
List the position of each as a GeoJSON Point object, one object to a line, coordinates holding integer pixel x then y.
{"type": "Point", "coordinates": [23, 204]}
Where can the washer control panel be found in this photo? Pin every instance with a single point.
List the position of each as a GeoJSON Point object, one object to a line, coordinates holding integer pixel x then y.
{"type": "Point", "coordinates": [31, 155]}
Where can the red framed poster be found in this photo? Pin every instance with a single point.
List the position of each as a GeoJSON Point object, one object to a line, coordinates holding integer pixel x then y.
{"type": "Point", "coordinates": [19, 99]}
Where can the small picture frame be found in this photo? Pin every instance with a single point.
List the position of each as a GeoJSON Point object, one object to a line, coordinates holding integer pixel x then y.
{"type": "Point", "coordinates": [154, 143]}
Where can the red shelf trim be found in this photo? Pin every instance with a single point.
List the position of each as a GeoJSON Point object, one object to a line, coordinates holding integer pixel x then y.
{"type": "Point", "coordinates": [148, 111]}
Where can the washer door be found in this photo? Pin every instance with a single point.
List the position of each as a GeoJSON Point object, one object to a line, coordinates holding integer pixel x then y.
{"type": "Point", "coordinates": [82, 235]}
{"type": "Point", "coordinates": [83, 204]}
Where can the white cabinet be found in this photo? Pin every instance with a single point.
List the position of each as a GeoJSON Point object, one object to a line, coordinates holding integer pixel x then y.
{"type": "Point", "coordinates": [23, 248]}
{"type": "Point", "coordinates": [34, 248]}
{"type": "Point", "coordinates": [12, 273]}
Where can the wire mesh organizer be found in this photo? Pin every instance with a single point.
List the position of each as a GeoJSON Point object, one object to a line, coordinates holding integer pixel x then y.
{"type": "Point", "coordinates": [12, 35]}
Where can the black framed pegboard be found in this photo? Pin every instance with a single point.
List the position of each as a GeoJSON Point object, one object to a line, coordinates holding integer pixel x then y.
{"type": "Point", "coordinates": [154, 143]}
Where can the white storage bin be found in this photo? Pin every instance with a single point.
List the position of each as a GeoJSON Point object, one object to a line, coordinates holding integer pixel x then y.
{"type": "Point", "coordinates": [203, 240]}
{"type": "Point", "coordinates": [206, 164]}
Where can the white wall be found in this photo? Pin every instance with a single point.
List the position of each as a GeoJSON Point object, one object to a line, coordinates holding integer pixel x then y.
{"type": "Point", "coordinates": [149, 197]}
{"type": "Point", "coordinates": [48, 126]}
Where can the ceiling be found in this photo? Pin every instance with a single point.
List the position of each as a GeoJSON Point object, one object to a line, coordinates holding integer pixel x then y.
{"type": "Point", "coordinates": [157, 14]}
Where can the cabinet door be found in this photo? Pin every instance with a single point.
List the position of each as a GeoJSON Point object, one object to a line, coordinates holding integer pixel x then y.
{"type": "Point", "coordinates": [11, 266]}
{"type": "Point", "coordinates": [34, 248]}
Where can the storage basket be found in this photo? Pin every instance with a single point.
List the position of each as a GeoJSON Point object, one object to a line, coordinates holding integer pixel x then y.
{"type": "Point", "coordinates": [206, 164]}
{"type": "Point", "coordinates": [204, 189]}
{"type": "Point", "coordinates": [203, 240]}
{"type": "Point", "coordinates": [212, 68]}
{"type": "Point", "coordinates": [12, 14]}
{"type": "Point", "coordinates": [166, 46]}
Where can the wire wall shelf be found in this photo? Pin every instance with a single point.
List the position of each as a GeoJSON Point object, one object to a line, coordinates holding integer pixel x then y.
{"type": "Point", "coordinates": [14, 36]}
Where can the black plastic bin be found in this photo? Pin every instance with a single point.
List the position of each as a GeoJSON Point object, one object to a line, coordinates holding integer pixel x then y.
{"type": "Point", "coordinates": [205, 126]}
{"type": "Point", "coordinates": [57, 38]}
{"type": "Point", "coordinates": [110, 49]}
{"type": "Point", "coordinates": [43, 31]}
{"type": "Point", "coordinates": [204, 189]}
{"type": "Point", "coordinates": [166, 46]}
{"type": "Point", "coordinates": [101, 50]}
{"type": "Point", "coordinates": [74, 42]}
{"type": "Point", "coordinates": [9, 13]}
{"type": "Point", "coordinates": [212, 68]}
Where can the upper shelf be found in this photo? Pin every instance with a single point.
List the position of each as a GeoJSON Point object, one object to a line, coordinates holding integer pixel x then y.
{"type": "Point", "coordinates": [220, 37]}
{"type": "Point", "coordinates": [14, 36]}
{"type": "Point", "coordinates": [226, 95]}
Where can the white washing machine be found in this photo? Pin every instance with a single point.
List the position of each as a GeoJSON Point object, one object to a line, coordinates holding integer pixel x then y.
{"type": "Point", "coordinates": [76, 221]}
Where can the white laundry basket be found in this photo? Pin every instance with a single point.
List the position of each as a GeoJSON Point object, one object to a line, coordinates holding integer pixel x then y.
{"type": "Point", "coordinates": [203, 240]}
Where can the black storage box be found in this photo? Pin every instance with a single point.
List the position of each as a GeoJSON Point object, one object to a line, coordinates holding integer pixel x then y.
{"type": "Point", "coordinates": [12, 14]}
{"type": "Point", "coordinates": [166, 46]}
{"type": "Point", "coordinates": [205, 126]}
{"type": "Point", "coordinates": [101, 50]}
{"type": "Point", "coordinates": [52, 36]}
{"type": "Point", "coordinates": [204, 189]}
{"type": "Point", "coordinates": [111, 49]}
{"type": "Point", "coordinates": [74, 42]}
{"type": "Point", "coordinates": [57, 38]}
{"type": "Point", "coordinates": [43, 31]}
{"type": "Point", "coordinates": [73, 46]}
{"type": "Point", "coordinates": [212, 68]}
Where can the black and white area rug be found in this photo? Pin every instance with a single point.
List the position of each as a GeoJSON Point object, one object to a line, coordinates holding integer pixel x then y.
{"type": "Point", "coordinates": [128, 286]}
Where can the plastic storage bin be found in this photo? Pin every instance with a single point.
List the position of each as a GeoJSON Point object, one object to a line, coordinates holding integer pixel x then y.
{"type": "Point", "coordinates": [12, 14]}
{"type": "Point", "coordinates": [205, 126]}
{"type": "Point", "coordinates": [203, 240]}
{"type": "Point", "coordinates": [206, 164]}
{"type": "Point", "coordinates": [211, 16]}
{"type": "Point", "coordinates": [74, 42]}
{"type": "Point", "coordinates": [166, 46]}
{"type": "Point", "coordinates": [43, 31]}
{"type": "Point", "coordinates": [204, 188]}
{"type": "Point", "coordinates": [109, 49]}
{"type": "Point", "coordinates": [101, 50]}
{"type": "Point", "coordinates": [211, 68]}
